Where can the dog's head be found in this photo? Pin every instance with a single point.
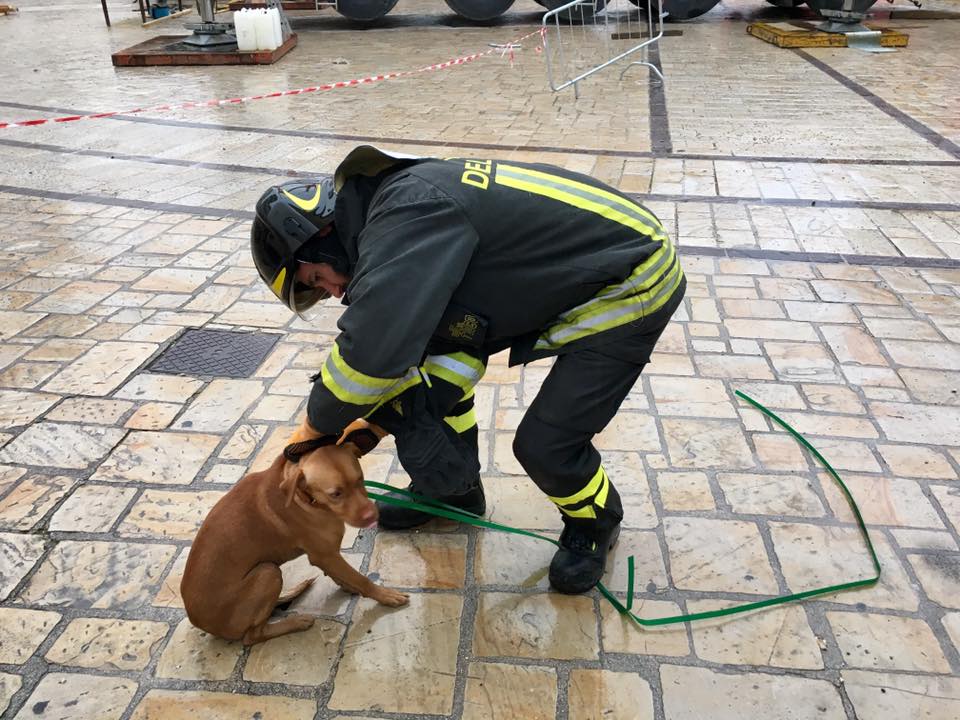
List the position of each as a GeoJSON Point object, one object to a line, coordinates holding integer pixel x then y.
{"type": "Point", "coordinates": [326, 474]}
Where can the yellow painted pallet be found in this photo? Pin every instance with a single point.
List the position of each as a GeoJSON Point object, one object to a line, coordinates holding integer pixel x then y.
{"type": "Point", "coordinates": [787, 35]}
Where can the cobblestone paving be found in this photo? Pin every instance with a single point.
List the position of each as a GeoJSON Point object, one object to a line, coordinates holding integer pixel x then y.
{"type": "Point", "coordinates": [816, 198]}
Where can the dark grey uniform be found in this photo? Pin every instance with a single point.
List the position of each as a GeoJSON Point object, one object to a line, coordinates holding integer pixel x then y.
{"type": "Point", "coordinates": [454, 260]}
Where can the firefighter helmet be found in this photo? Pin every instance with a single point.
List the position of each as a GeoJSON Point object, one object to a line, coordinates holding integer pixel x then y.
{"type": "Point", "coordinates": [289, 228]}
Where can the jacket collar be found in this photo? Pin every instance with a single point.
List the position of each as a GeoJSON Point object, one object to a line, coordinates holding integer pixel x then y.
{"type": "Point", "coordinates": [350, 213]}
{"type": "Point", "coordinates": [367, 160]}
{"type": "Point", "coordinates": [357, 179]}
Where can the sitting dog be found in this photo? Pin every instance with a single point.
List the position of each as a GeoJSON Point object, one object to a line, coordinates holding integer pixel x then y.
{"type": "Point", "coordinates": [232, 580]}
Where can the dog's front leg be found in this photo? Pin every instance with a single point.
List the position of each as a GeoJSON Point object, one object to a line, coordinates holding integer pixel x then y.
{"type": "Point", "coordinates": [347, 577]}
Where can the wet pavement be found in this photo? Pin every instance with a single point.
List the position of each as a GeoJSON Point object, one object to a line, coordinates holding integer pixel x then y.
{"type": "Point", "coordinates": [815, 199]}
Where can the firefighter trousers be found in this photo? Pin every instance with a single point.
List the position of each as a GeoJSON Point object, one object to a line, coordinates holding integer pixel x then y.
{"type": "Point", "coordinates": [579, 397]}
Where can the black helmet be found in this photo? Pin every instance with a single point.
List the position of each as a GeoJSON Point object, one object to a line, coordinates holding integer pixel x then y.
{"type": "Point", "coordinates": [286, 229]}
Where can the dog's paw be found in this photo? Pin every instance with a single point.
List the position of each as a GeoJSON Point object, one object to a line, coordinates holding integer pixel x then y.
{"type": "Point", "coordinates": [391, 598]}
{"type": "Point", "coordinates": [301, 622]}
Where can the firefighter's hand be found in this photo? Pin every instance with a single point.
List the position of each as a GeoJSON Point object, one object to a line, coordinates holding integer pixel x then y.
{"type": "Point", "coordinates": [361, 424]}
{"type": "Point", "coordinates": [306, 431]}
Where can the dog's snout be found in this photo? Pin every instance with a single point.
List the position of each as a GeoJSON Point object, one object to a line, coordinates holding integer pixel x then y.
{"type": "Point", "coordinates": [369, 515]}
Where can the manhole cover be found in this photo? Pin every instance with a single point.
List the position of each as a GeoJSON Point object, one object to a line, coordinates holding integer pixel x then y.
{"type": "Point", "coordinates": [220, 353]}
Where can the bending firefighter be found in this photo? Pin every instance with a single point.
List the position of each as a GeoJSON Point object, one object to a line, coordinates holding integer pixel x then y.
{"type": "Point", "coordinates": [440, 264]}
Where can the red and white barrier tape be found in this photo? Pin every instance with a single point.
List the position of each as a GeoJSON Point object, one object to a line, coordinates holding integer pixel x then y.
{"type": "Point", "coordinates": [464, 59]}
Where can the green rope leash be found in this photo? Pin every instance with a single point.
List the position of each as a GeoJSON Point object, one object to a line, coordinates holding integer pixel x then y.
{"type": "Point", "coordinates": [438, 509]}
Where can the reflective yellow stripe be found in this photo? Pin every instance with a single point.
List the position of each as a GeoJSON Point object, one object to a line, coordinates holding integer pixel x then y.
{"type": "Point", "coordinates": [598, 489]}
{"type": "Point", "coordinates": [600, 500]}
{"type": "Point", "coordinates": [368, 381]}
{"type": "Point", "coordinates": [600, 208]}
{"type": "Point", "coordinates": [584, 512]}
{"type": "Point", "coordinates": [613, 314]}
{"type": "Point", "coordinates": [460, 423]}
{"type": "Point", "coordinates": [674, 280]}
{"type": "Point", "coordinates": [305, 205]}
{"type": "Point", "coordinates": [642, 298]}
{"type": "Point", "coordinates": [645, 276]}
{"type": "Point", "coordinates": [412, 378]}
{"type": "Point", "coordinates": [578, 194]}
{"type": "Point", "coordinates": [340, 392]}
{"type": "Point", "coordinates": [460, 369]}
{"type": "Point", "coordinates": [589, 490]}
{"type": "Point", "coordinates": [277, 286]}
{"type": "Point", "coordinates": [352, 386]}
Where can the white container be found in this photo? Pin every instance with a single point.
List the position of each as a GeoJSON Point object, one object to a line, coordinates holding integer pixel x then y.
{"type": "Point", "coordinates": [264, 30]}
{"type": "Point", "coordinates": [245, 31]}
{"type": "Point", "coordinates": [277, 27]}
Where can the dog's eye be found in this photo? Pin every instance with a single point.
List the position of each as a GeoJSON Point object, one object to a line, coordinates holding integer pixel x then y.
{"type": "Point", "coordinates": [336, 494]}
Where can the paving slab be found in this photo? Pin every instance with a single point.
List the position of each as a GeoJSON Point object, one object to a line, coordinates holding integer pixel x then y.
{"type": "Point", "coordinates": [814, 197]}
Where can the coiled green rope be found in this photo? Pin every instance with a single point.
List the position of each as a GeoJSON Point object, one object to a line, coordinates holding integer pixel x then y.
{"type": "Point", "coordinates": [446, 511]}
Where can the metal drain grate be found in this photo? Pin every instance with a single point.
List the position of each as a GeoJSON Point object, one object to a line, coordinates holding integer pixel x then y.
{"type": "Point", "coordinates": [219, 353]}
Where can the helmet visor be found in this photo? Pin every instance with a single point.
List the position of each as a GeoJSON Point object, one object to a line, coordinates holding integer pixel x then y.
{"type": "Point", "coordinates": [303, 298]}
{"type": "Point", "coordinates": [276, 269]}
{"type": "Point", "coordinates": [280, 272]}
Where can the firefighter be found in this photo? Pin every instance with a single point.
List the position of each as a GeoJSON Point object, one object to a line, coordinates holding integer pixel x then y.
{"type": "Point", "coordinates": [441, 263]}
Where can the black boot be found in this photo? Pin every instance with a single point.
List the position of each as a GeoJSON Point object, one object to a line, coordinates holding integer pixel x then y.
{"type": "Point", "coordinates": [584, 543]}
{"type": "Point", "coordinates": [393, 517]}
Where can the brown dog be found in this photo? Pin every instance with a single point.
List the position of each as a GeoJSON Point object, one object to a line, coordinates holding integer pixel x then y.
{"type": "Point", "coordinates": [232, 580]}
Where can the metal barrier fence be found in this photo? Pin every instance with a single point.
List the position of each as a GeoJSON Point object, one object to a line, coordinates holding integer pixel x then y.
{"type": "Point", "coordinates": [585, 36]}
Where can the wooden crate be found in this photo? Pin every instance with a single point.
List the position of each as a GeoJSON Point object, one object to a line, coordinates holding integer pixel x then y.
{"type": "Point", "coordinates": [158, 51]}
{"type": "Point", "coordinates": [805, 35]}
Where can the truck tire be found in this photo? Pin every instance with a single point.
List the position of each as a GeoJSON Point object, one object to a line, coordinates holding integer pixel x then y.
{"type": "Point", "coordinates": [684, 9]}
{"type": "Point", "coordinates": [859, 6]}
{"type": "Point", "coordinates": [581, 14]}
{"type": "Point", "coordinates": [365, 10]}
{"type": "Point", "coordinates": [479, 10]}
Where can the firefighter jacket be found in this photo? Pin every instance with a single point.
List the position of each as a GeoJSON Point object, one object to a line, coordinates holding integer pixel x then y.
{"type": "Point", "coordinates": [455, 259]}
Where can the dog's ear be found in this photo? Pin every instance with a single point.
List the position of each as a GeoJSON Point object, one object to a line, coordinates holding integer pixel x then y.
{"type": "Point", "coordinates": [361, 437]}
{"type": "Point", "coordinates": [292, 477]}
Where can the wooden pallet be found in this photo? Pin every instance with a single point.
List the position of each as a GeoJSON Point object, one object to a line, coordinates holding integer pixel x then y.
{"type": "Point", "coordinates": [7, 9]}
{"type": "Point", "coordinates": [169, 50]}
{"type": "Point", "coordinates": [805, 35]}
{"type": "Point", "coordinates": [287, 5]}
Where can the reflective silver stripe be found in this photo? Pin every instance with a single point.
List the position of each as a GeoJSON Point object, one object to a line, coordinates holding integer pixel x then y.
{"type": "Point", "coordinates": [623, 311]}
{"type": "Point", "coordinates": [350, 386]}
{"type": "Point", "coordinates": [470, 375]}
{"type": "Point", "coordinates": [628, 287]}
{"type": "Point", "coordinates": [623, 207]}
{"type": "Point", "coordinates": [411, 378]}
{"type": "Point", "coordinates": [358, 393]}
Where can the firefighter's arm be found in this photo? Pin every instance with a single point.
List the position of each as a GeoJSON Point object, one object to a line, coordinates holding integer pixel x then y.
{"type": "Point", "coordinates": [413, 253]}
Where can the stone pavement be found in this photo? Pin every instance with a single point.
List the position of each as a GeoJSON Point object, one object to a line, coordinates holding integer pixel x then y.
{"type": "Point", "coordinates": [816, 198]}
